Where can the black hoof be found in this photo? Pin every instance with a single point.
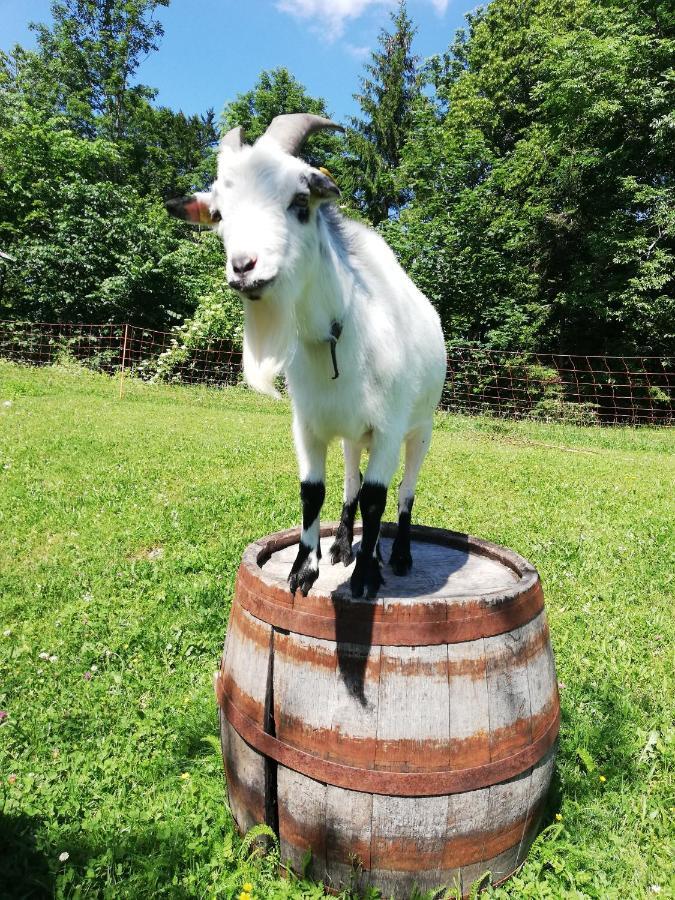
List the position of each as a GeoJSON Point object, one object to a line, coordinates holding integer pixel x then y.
{"type": "Point", "coordinates": [400, 561]}
{"type": "Point", "coordinates": [304, 572]}
{"type": "Point", "coordinates": [341, 548]}
{"type": "Point", "coordinates": [366, 576]}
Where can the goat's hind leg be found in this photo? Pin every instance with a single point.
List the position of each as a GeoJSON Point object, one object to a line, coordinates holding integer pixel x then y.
{"type": "Point", "coordinates": [416, 446]}
{"type": "Point", "coordinates": [312, 462]}
{"type": "Point", "coordinates": [341, 550]}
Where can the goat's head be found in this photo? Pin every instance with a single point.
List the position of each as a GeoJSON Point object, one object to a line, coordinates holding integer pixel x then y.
{"type": "Point", "coordinates": [263, 203]}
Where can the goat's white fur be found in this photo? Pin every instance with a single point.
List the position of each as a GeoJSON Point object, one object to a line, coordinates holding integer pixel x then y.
{"type": "Point", "coordinates": [391, 353]}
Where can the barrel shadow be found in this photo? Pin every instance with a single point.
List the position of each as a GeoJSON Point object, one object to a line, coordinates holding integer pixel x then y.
{"type": "Point", "coordinates": [354, 617]}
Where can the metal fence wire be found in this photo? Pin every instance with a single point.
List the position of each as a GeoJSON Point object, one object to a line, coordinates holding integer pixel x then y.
{"type": "Point", "coordinates": [602, 390]}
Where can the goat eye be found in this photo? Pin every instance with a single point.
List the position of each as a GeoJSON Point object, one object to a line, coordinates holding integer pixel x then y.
{"type": "Point", "coordinates": [301, 201]}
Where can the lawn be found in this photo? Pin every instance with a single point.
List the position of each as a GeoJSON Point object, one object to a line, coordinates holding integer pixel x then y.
{"type": "Point", "coordinates": [122, 523]}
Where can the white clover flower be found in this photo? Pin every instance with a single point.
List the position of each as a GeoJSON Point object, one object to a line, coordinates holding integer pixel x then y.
{"type": "Point", "coordinates": [44, 655]}
{"type": "Point", "coordinates": [63, 857]}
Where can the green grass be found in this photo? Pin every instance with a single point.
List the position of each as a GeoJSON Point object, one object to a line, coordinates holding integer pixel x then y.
{"type": "Point", "coordinates": [122, 771]}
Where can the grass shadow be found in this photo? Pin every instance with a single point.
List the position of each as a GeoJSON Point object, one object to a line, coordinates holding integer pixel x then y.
{"type": "Point", "coordinates": [25, 868]}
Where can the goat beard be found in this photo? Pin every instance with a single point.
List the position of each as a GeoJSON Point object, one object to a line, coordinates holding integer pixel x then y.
{"type": "Point", "coordinates": [269, 340]}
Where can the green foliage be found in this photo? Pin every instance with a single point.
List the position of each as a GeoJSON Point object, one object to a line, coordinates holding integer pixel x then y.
{"type": "Point", "coordinates": [86, 162]}
{"type": "Point", "coordinates": [219, 315]}
{"type": "Point", "coordinates": [524, 178]}
{"type": "Point", "coordinates": [276, 93]}
{"type": "Point", "coordinates": [543, 181]}
{"type": "Point", "coordinates": [91, 53]}
{"type": "Point", "coordinates": [93, 488]}
{"type": "Point", "coordinates": [388, 92]}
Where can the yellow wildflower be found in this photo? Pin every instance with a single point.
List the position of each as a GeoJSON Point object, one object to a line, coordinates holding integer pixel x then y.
{"type": "Point", "coordinates": [185, 776]}
{"type": "Point", "coordinates": [247, 888]}
{"type": "Point", "coordinates": [244, 896]}
{"type": "Point", "coordinates": [558, 817]}
{"type": "Point", "coordinates": [603, 779]}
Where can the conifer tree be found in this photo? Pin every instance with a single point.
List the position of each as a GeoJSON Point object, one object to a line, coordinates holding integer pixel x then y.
{"type": "Point", "coordinates": [388, 91]}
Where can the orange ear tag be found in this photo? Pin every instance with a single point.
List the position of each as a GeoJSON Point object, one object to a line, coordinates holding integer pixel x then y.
{"type": "Point", "coordinates": [325, 171]}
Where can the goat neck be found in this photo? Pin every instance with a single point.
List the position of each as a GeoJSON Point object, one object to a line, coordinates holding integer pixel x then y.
{"type": "Point", "coordinates": [326, 286]}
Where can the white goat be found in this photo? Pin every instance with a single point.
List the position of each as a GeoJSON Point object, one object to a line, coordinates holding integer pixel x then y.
{"type": "Point", "coordinates": [323, 293]}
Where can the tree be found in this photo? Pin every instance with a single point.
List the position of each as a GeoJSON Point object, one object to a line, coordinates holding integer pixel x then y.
{"type": "Point", "coordinates": [93, 49]}
{"type": "Point", "coordinates": [275, 93]}
{"type": "Point", "coordinates": [388, 93]}
{"type": "Point", "coordinates": [85, 161]}
{"type": "Point", "coordinates": [87, 248]}
{"type": "Point", "coordinates": [543, 178]}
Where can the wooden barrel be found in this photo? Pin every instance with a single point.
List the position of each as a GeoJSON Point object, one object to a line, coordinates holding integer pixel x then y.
{"type": "Point", "coordinates": [407, 740]}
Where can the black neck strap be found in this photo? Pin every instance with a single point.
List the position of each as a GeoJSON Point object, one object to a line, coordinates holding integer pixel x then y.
{"type": "Point", "coordinates": [335, 332]}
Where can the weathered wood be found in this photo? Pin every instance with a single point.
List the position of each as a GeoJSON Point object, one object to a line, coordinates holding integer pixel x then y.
{"type": "Point", "coordinates": [245, 666]}
{"type": "Point", "coordinates": [302, 823]}
{"type": "Point", "coordinates": [408, 839]}
{"type": "Point", "coordinates": [413, 714]}
{"type": "Point", "coordinates": [508, 806]}
{"type": "Point", "coordinates": [508, 693]}
{"type": "Point", "coordinates": [348, 838]}
{"type": "Point", "coordinates": [342, 738]}
{"type": "Point", "coordinates": [540, 780]}
{"type": "Point", "coordinates": [245, 775]}
{"type": "Point", "coordinates": [469, 708]}
{"type": "Point", "coordinates": [355, 711]}
{"type": "Point", "coordinates": [304, 691]}
{"type": "Point", "coordinates": [467, 823]}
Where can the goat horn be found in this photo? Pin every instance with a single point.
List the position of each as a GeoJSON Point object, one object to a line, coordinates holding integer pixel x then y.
{"type": "Point", "coordinates": [234, 138]}
{"type": "Point", "coordinates": [291, 131]}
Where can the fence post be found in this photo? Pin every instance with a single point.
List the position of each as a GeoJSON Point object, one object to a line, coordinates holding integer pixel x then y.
{"type": "Point", "coordinates": [124, 358]}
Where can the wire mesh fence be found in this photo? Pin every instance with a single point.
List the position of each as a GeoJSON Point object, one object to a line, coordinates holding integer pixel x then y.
{"type": "Point", "coordinates": [604, 390]}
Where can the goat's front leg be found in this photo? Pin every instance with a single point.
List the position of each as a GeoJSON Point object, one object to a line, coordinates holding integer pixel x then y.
{"type": "Point", "coordinates": [384, 453]}
{"type": "Point", "coordinates": [341, 550]}
{"type": "Point", "coordinates": [312, 462]}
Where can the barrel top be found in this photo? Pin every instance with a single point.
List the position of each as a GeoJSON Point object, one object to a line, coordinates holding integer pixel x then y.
{"type": "Point", "coordinates": [439, 570]}
{"type": "Point", "coordinates": [461, 588]}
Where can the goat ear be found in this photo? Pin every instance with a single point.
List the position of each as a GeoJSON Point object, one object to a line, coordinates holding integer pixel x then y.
{"type": "Point", "coordinates": [195, 209]}
{"type": "Point", "coordinates": [321, 185]}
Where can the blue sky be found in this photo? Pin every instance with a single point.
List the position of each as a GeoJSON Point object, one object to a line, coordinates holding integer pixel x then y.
{"type": "Point", "coordinates": [214, 49]}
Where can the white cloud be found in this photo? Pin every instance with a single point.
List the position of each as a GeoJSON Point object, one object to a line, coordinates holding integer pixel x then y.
{"type": "Point", "coordinates": [357, 52]}
{"type": "Point", "coordinates": [331, 16]}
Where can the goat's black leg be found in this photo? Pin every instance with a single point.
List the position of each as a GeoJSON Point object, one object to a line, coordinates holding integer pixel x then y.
{"type": "Point", "coordinates": [312, 459]}
{"type": "Point", "coordinates": [416, 446]}
{"type": "Point", "coordinates": [367, 574]}
{"type": "Point", "coordinates": [305, 569]}
{"type": "Point", "coordinates": [341, 549]}
{"type": "Point", "coordinates": [401, 558]}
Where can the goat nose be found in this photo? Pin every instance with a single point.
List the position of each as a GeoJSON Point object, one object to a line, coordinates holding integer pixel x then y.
{"type": "Point", "coordinates": [243, 263]}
